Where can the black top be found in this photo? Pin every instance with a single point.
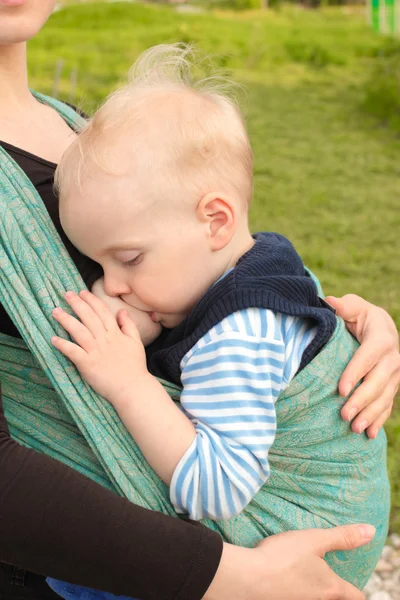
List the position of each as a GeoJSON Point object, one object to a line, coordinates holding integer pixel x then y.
{"type": "Point", "coordinates": [56, 522]}
{"type": "Point", "coordinates": [41, 174]}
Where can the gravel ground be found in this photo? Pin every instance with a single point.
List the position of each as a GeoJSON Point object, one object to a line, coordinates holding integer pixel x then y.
{"type": "Point", "coordinates": [385, 581]}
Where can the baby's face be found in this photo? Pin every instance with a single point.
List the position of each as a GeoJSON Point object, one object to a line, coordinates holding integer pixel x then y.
{"type": "Point", "coordinates": [155, 254]}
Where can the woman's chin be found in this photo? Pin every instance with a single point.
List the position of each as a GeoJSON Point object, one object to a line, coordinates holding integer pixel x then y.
{"type": "Point", "coordinates": [21, 20]}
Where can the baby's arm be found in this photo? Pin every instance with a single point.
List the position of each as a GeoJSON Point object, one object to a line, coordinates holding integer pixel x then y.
{"type": "Point", "coordinates": [231, 383]}
{"type": "Point", "coordinates": [111, 358]}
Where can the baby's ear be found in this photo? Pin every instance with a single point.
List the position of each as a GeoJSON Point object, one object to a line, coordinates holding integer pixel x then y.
{"type": "Point", "coordinates": [217, 212]}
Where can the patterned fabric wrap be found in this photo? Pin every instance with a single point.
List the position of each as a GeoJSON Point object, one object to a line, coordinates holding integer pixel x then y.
{"type": "Point", "coordinates": [321, 473]}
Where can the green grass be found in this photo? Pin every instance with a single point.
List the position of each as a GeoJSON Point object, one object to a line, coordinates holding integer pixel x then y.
{"type": "Point", "coordinates": [326, 173]}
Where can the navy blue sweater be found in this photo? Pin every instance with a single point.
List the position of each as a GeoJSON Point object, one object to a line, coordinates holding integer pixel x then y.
{"type": "Point", "coordinates": [270, 275]}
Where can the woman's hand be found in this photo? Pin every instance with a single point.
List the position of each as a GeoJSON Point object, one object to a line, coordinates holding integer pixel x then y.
{"type": "Point", "coordinates": [110, 357]}
{"type": "Point", "coordinates": [288, 566]}
{"type": "Point", "coordinates": [377, 361]}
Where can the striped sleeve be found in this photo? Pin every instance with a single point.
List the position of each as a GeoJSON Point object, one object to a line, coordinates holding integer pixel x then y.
{"type": "Point", "coordinates": [231, 379]}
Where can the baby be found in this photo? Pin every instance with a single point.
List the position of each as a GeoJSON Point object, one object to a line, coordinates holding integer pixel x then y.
{"type": "Point", "coordinates": [157, 190]}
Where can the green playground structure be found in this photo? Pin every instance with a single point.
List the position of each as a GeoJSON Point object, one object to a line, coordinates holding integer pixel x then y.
{"type": "Point", "coordinates": [385, 16]}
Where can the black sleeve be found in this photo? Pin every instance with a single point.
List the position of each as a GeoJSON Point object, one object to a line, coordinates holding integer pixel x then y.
{"type": "Point", "coordinates": [56, 522]}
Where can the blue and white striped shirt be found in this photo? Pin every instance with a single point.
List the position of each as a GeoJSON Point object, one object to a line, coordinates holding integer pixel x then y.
{"type": "Point", "coordinates": [231, 380]}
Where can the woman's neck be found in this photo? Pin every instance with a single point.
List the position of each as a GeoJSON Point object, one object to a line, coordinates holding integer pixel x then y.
{"type": "Point", "coordinates": [14, 91]}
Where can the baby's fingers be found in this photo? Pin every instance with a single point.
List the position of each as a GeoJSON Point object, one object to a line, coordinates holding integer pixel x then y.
{"type": "Point", "coordinates": [127, 326]}
{"type": "Point", "coordinates": [100, 308]}
{"type": "Point", "coordinates": [75, 328]}
{"type": "Point", "coordinates": [86, 314]}
{"type": "Point", "coordinates": [69, 349]}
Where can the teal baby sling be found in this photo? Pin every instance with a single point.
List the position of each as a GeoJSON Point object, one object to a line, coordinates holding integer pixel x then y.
{"type": "Point", "coordinates": [321, 473]}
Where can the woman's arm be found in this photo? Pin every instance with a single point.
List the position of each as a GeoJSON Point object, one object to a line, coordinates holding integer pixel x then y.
{"type": "Point", "coordinates": [54, 521]}
{"type": "Point", "coordinates": [377, 361]}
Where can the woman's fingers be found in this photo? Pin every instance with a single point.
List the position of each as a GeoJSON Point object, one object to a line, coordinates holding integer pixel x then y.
{"type": "Point", "coordinates": [86, 314]}
{"type": "Point", "coordinates": [373, 430]}
{"type": "Point", "coordinates": [377, 334]}
{"type": "Point", "coordinates": [373, 388]}
{"type": "Point", "coordinates": [362, 362]}
{"type": "Point", "coordinates": [371, 402]}
{"type": "Point", "coordinates": [79, 332]}
{"type": "Point", "coordinates": [372, 413]}
{"type": "Point", "coordinates": [373, 399]}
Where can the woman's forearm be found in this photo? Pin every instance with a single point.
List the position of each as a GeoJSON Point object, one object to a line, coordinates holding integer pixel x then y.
{"type": "Point", "coordinates": [56, 522]}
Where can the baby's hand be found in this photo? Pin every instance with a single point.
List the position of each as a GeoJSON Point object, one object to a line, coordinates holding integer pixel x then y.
{"type": "Point", "coordinates": [148, 329]}
{"type": "Point", "coordinates": [111, 358]}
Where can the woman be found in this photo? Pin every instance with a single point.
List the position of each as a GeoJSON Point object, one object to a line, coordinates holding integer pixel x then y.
{"type": "Point", "coordinates": [122, 548]}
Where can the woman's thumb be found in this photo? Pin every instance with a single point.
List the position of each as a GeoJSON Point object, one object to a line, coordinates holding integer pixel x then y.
{"type": "Point", "coordinates": [336, 303]}
{"type": "Point", "coordinates": [350, 307]}
{"type": "Point", "coordinates": [345, 537]}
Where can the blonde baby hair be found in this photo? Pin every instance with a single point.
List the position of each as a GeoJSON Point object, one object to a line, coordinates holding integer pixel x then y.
{"type": "Point", "coordinates": [186, 133]}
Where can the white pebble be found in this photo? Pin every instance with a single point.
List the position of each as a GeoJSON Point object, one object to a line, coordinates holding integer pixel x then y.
{"type": "Point", "coordinates": [387, 552]}
{"type": "Point", "coordinates": [383, 566]}
{"type": "Point", "coordinates": [395, 540]}
{"type": "Point", "coordinates": [381, 596]}
{"type": "Point", "coordinates": [389, 585]}
{"type": "Point", "coordinates": [374, 584]}
{"type": "Point", "coordinates": [396, 578]}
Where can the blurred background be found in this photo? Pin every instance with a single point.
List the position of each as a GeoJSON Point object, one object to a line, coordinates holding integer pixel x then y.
{"type": "Point", "coordinates": [322, 102]}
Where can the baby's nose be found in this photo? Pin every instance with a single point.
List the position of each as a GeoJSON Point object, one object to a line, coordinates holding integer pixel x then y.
{"type": "Point", "coordinates": [115, 287]}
